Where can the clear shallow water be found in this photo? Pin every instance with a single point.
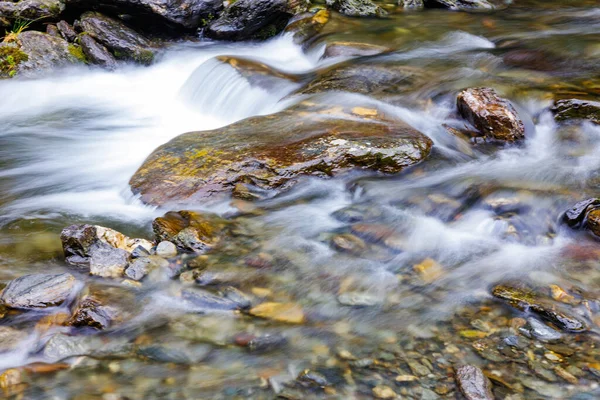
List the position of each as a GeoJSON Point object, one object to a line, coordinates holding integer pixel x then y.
{"type": "Point", "coordinates": [69, 144]}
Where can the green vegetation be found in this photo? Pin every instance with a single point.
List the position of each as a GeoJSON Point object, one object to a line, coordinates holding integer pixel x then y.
{"type": "Point", "coordinates": [18, 27]}
{"type": "Point", "coordinates": [77, 53]}
{"type": "Point", "coordinates": [10, 58]}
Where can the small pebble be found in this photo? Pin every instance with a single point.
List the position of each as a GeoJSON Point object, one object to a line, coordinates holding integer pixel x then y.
{"type": "Point", "coordinates": [166, 249]}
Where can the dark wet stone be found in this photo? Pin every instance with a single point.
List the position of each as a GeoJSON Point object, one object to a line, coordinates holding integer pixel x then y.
{"type": "Point", "coordinates": [516, 341]}
{"type": "Point", "coordinates": [357, 8]}
{"type": "Point", "coordinates": [575, 216]}
{"type": "Point", "coordinates": [310, 378]}
{"type": "Point", "coordinates": [96, 53]}
{"type": "Point", "coordinates": [122, 41]}
{"type": "Point", "coordinates": [349, 243]}
{"type": "Point", "coordinates": [256, 73]}
{"type": "Point", "coordinates": [207, 301]}
{"type": "Point", "coordinates": [252, 19]}
{"type": "Point", "coordinates": [172, 14]}
{"type": "Point", "coordinates": [66, 31]}
{"type": "Point", "coordinates": [297, 141]}
{"type": "Point", "coordinates": [593, 221]}
{"type": "Point", "coordinates": [490, 114]}
{"type": "Point", "coordinates": [476, 5]}
{"type": "Point", "coordinates": [473, 383]}
{"type": "Point", "coordinates": [140, 267]}
{"type": "Point", "coordinates": [525, 300]}
{"type": "Point", "coordinates": [574, 109]}
{"type": "Point", "coordinates": [190, 230]}
{"type": "Point", "coordinates": [38, 290]}
{"type": "Point", "coordinates": [91, 313]}
{"type": "Point", "coordinates": [44, 53]}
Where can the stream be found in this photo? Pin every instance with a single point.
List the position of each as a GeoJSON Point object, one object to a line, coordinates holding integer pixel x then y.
{"type": "Point", "coordinates": [394, 272]}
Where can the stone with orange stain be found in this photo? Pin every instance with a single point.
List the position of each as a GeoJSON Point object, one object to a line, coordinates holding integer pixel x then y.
{"type": "Point", "coordinates": [290, 313]}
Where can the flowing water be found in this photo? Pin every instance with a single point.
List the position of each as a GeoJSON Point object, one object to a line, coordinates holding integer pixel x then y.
{"type": "Point", "coordinates": [486, 214]}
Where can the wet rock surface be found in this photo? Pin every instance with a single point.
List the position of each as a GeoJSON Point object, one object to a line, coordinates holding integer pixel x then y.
{"type": "Point", "coordinates": [473, 383]}
{"type": "Point", "coordinates": [95, 53]}
{"type": "Point", "coordinates": [194, 166]}
{"type": "Point", "coordinates": [490, 114]}
{"type": "Point", "coordinates": [176, 14]}
{"type": "Point", "coordinates": [250, 19]}
{"type": "Point", "coordinates": [574, 109]}
{"type": "Point", "coordinates": [32, 9]}
{"type": "Point", "coordinates": [38, 290]}
{"type": "Point", "coordinates": [122, 41]}
{"type": "Point", "coordinates": [190, 230]}
{"type": "Point", "coordinates": [44, 53]}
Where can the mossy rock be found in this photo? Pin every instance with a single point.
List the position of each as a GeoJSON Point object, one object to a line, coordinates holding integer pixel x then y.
{"type": "Point", "coordinates": [575, 109]}
{"type": "Point", "coordinates": [45, 53]}
{"type": "Point", "coordinates": [10, 58]}
{"type": "Point", "coordinates": [273, 151]}
{"type": "Point", "coordinates": [357, 8]}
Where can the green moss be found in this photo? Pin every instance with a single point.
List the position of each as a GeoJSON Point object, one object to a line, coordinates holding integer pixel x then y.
{"type": "Point", "coordinates": [145, 57]}
{"type": "Point", "coordinates": [77, 53]}
{"type": "Point", "coordinates": [267, 32]}
{"type": "Point", "coordinates": [10, 58]}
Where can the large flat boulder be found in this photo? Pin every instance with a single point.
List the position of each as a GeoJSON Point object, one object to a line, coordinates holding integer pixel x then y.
{"type": "Point", "coordinates": [271, 152]}
{"type": "Point", "coordinates": [32, 9]}
{"type": "Point", "coordinates": [44, 52]}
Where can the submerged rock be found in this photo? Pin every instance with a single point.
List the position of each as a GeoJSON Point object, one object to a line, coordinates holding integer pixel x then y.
{"type": "Point", "coordinates": [190, 230]}
{"type": "Point", "coordinates": [357, 8]}
{"type": "Point", "coordinates": [574, 109]}
{"type": "Point", "coordinates": [253, 19]}
{"type": "Point", "coordinates": [140, 267]}
{"type": "Point", "coordinates": [79, 240]}
{"type": "Point", "coordinates": [585, 214]}
{"type": "Point", "coordinates": [206, 301]}
{"type": "Point", "coordinates": [525, 300]}
{"type": "Point", "coordinates": [352, 49]}
{"type": "Point", "coordinates": [124, 42]}
{"type": "Point", "coordinates": [38, 290]}
{"type": "Point", "coordinates": [272, 151]}
{"type": "Point", "coordinates": [10, 338]}
{"type": "Point", "coordinates": [490, 114]}
{"type": "Point", "coordinates": [473, 383]}
{"type": "Point", "coordinates": [44, 53]}
{"type": "Point", "coordinates": [91, 313]}
{"type": "Point", "coordinates": [306, 26]}
{"type": "Point", "coordinates": [96, 53]}
{"type": "Point", "coordinates": [372, 79]}
{"type": "Point", "coordinates": [282, 312]}
{"type": "Point", "coordinates": [175, 14]}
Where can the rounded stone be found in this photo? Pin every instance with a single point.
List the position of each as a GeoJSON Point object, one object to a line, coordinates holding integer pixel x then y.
{"type": "Point", "coordinates": [166, 249]}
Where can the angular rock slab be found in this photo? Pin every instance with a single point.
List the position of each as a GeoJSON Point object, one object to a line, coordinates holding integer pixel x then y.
{"type": "Point", "coordinates": [574, 109]}
{"type": "Point", "coordinates": [44, 53]}
{"type": "Point", "coordinates": [189, 230]}
{"type": "Point", "coordinates": [490, 114]}
{"type": "Point", "coordinates": [38, 290]}
{"type": "Point", "coordinates": [473, 384]}
{"type": "Point", "coordinates": [124, 42]}
{"type": "Point", "coordinates": [272, 151]}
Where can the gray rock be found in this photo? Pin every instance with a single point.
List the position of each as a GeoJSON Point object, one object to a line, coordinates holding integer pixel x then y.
{"type": "Point", "coordinates": [174, 14]}
{"type": "Point", "coordinates": [44, 52]}
{"type": "Point", "coordinates": [38, 290]}
{"type": "Point", "coordinates": [32, 9]}
{"type": "Point", "coordinates": [166, 249]}
{"type": "Point", "coordinates": [574, 109]}
{"type": "Point", "coordinates": [96, 53]}
{"type": "Point", "coordinates": [466, 4]}
{"type": "Point", "coordinates": [490, 114]}
{"type": "Point", "coordinates": [141, 267]}
{"type": "Point", "coordinates": [411, 4]}
{"type": "Point", "coordinates": [252, 19]}
{"type": "Point", "coordinates": [357, 8]}
{"type": "Point", "coordinates": [473, 384]}
{"type": "Point", "coordinates": [182, 353]}
{"type": "Point", "coordinates": [124, 42]}
{"type": "Point", "coordinates": [543, 332]}
{"type": "Point", "coordinates": [107, 261]}
{"type": "Point", "coordinates": [60, 347]}
{"type": "Point", "coordinates": [66, 31]}
{"type": "Point", "coordinates": [243, 301]}
{"type": "Point", "coordinates": [79, 240]}
{"type": "Point", "coordinates": [52, 30]}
